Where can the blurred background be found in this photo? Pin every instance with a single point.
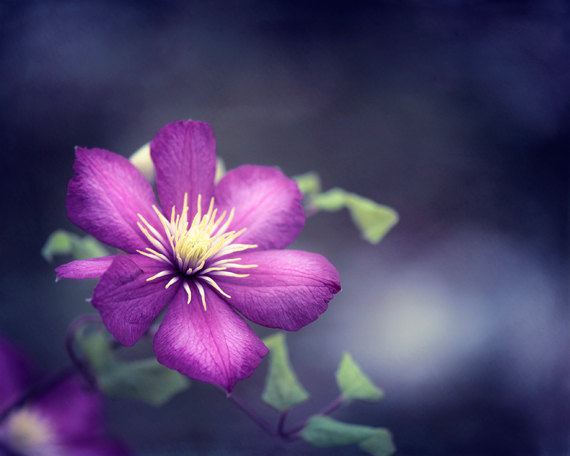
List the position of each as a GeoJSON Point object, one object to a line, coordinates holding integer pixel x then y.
{"type": "Point", "coordinates": [455, 113]}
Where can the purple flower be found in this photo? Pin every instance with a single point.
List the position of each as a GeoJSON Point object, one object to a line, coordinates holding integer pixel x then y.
{"type": "Point", "coordinates": [209, 250]}
{"type": "Point", "coordinates": [64, 420]}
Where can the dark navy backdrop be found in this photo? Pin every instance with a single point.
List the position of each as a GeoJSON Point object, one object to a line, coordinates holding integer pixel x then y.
{"type": "Point", "coordinates": [454, 113]}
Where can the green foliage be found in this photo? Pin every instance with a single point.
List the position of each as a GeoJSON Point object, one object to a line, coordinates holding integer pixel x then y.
{"type": "Point", "coordinates": [144, 380]}
{"type": "Point", "coordinates": [331, 201]}
{"type": "Point", "coordinates": [282, 389]}
{"type": "Point", "coordinates": [220, 169]}
{"type": "Point", "coordinates": [372, 219]}
{"type": "Point", "coordinates": [309, 183]}
{"type": "Point", "coordinates": [142, 161]}
{"type": "Point", "coordinates": [322, 431]}
{"type": "Point", "coordinates": [62, 242]}
{"type": "Point", "coordinates": [380, 444]}
{"type": "Point", "coordinates": [354, 383]}
{"type": "Point", "coordinates": [97, 349]}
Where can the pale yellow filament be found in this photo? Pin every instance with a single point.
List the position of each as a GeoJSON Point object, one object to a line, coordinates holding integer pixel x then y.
{"type": "Point", "coordinates": [186, 247]}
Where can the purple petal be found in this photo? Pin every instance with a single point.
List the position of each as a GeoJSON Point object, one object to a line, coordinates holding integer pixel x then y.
{"type": "Point", "coordinates": [73, 412]}
{"type": "Point", "coordinates": [288, 290]}
{"type": "Point", "coordinates": [184, 154]}
{"type": "Point", "coordinates": [214, 345]}
{"type": "Point", "coordinates": [127, 302]}
{"type": "Point", "coordinates": [105, 196]}
{"type": "Point", "coordinates": [92, 268]}
{"type": "Point", "coordinates": [16, 373]}
{"type": "Point", "coordinates": [266, 202]}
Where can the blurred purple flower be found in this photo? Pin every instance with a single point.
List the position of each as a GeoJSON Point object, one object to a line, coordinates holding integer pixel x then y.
{"type": "Point", "coordinates": [64, 420]}
{"type": "Point", "coordinates": [211, 250]}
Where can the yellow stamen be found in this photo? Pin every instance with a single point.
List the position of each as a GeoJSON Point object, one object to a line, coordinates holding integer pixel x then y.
{"type": "Point", "coordinates": [201, 291]}
{"type": "Point", "coordinates": [151, 228]}
{"type": "Point", "coordinates": [235, 265]}
{"type": "Point", "coordinates": [152, 240]}
{"type": "Point", "coordinates": [172, 281]}
{"type": "Point", "coordinates": [150, 255]}
{"type": "Point", "coordinates": [215, 285]}
{"type": "Point", "coordinates": [203, 239]}
{"type": "Point", "coordinates": [191, 248]}
{"type": "Point", "coordinates": [160, 274]}
{"type": "Point", "coordinates": [205, 271]}
{"type": "Point", "coordinates": [188, 292]}
{"type": "Point", "coordinates": [229, 274]}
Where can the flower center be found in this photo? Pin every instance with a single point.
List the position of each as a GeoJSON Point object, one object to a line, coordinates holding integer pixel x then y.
{"type": "Point", "coordinates": [29, 433]}
{"type": "Point", "coordinates": [193, 250]}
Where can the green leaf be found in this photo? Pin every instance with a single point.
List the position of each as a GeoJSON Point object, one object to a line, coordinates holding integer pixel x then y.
{"type": "Point", "coordinates": [61, 242]}
{"type": "Point", "coordinates": [142, 161]}
{"type": "Point", "coordinates": [331, 200]}
{"type": "Point", "coordinates": [372, 219]}
{"type": "Point", "coordinates": [309, 183]}
{"type": "Point", "coordinates": [96, 347]}
{"type": "Point", "coordinates": [220, 169]}
{"type": "Point", "coordinates": [380, 444]}
{"type": "Point", "coordinates": [145, 380]}
{"type": "Point", "coordinates": [354, 383]}
{"type": "Point", "coordinates": [282, 389]}
{"type": "Point", "coordinates": [58, 243]}
{"type": "Point", "coordinates": [322, 431]}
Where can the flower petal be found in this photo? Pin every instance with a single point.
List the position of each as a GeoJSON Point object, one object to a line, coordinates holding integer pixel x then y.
{"type": "Point", "coordinates": [266, 202]}
{"type": "Point", "coordinates": [288, 290]}
{"type": "Point", "coordinates": [184, 154]}
{"type": "Point", "coordinates": [71, 412]}
{"type": "Point", "coordinates": [214, 345]}
{"type": "Point", "coordinates": [17, 373]}
{"type": "Point", "coordinates": [66, 418]}
{"type": "Point", "coordinates": [92, 268]}
{"type": "Point", "coordinates": [127, 301]}
{"type": "Point", "coordinates": [105, 196]}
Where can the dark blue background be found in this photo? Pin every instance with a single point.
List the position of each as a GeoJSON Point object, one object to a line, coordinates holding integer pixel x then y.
{"type": "Point", "coordinates": [454, 113]}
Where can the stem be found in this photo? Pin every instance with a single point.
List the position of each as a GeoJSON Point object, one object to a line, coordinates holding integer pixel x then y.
{"type": "Point", "coordinates": [293, 433]}
{"type": "Point", "coordinates": [311, 210]}
{"type": "Point", "coordinates": [261, 422]}
{"type": "Point", "coordinates": [281, 424]}
{"type": "Point", "coordinates": [77, 361]}
{"type": "Point", "coordinates": [332, 406]}
{"type": "Point", "coordinates": [51, 381]}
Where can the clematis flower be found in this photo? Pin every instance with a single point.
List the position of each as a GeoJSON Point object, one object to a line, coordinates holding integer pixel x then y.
{"type": "Point", "coordinates": [63, 421]}
{"type": "Point", "coordinates": [207, 252]}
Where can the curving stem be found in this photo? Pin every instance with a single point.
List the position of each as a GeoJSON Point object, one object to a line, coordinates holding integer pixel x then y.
{"type": "Point", "coordinates": [77, 361]}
